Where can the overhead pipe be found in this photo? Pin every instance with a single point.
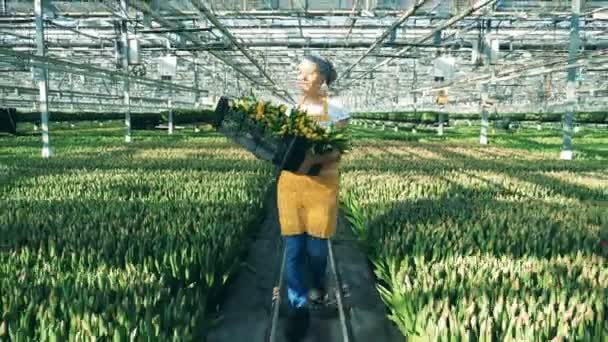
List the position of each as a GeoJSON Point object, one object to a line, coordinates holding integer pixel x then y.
{"type": "Point", "coordinates": [70, 67]}
{"type": "Point", "coordinates": [50, 21]}
{"type": "Point", "coordinates": [69, 93]}
{"type": "Point", "coordinates": [521, 24]}
{"type": "Point", "coordinates": [263, 14]}
{"type": "Point", "coordinates": [287, 43]}
{"type": "Point", "coordinates": [67, 104]}
{"type": "Point", "coordinates": [352, 19]}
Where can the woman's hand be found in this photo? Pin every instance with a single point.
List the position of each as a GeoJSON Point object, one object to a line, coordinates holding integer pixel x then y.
{"type": "Point", "coordinates": [312, 159]}
{"type": "Point", "coordinates": [330, 157]}
{"type": "Point", "coordinates": [307, 163]}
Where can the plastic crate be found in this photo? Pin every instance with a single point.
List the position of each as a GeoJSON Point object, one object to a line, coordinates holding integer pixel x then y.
{"type": "Point", "coordinates": [287, 153]}
{"type": "Point", "coordinates": [8, 120]}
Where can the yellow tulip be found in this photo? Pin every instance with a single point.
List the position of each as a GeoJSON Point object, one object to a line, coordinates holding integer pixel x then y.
{"type": "Point", "coordinates": [260, 108]}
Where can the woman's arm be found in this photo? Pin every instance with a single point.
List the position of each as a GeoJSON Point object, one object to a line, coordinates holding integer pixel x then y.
{"type": "Point", "coordinates": [333, 155]}
{"type": "Point", "coordinates": [326, 158]}
{"type": "Point", "coordinates": [342, 123]}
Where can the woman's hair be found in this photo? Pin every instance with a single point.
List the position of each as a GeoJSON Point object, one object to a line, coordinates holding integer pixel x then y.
{"type": "Point", "coordinates": [326, 69]}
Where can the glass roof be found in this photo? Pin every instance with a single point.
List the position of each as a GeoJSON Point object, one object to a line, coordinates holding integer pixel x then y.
{"type": "Point", "coordinates": [385, 51]}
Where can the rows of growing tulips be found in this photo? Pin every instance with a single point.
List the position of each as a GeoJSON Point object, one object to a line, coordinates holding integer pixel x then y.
{"type": "Point", "coordinates": [482, 244]}
{"type": "Point", "coordinates": [126, 242]}
{"type": "Point", "coordinates": [134, 241]}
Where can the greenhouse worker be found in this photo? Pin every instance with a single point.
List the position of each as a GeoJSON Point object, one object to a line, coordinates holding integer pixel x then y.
{"type": "Point", "coordinates": [307, 201]}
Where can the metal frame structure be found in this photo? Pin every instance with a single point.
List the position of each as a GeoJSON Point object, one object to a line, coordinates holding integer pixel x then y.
{"type": "Point", "coordinates": [111, 51]}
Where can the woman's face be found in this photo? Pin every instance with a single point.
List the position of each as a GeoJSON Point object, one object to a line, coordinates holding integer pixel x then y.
{"type": "Point", "coordinates": [309, 78]}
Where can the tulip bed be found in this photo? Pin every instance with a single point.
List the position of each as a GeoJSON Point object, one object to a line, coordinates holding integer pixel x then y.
{"type": "Point", "coordinates": [107, 240]}
{"type": "Point", "coordinates": [475, 243]}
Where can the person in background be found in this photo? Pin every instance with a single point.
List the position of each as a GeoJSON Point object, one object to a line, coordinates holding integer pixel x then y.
{"type": "Point", "coordinates": [307, 200]}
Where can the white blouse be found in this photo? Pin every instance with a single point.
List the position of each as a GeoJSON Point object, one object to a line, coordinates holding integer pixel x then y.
{"type": "Point", "coordinates": [336, 112]}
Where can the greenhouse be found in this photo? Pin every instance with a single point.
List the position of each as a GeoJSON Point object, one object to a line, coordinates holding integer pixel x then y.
{"type": "Point", "coordinates": [304, 170]}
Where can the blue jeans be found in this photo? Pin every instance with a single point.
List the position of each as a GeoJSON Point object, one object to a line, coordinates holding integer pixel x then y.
{"type": "Point", "coordinates": [298, 247]}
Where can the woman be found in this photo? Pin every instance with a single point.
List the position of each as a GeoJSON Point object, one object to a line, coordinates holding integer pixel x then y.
{"type": "Point", "coordinates": [308, 204]}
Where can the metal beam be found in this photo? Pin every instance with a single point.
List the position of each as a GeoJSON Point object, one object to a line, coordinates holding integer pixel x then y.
{"type": "Point", "coordinates": [59, 94]}
{"type": "Point", "coordinates": [172, 40]}
{"type": "Point", "coordinates": [78, 32]}
{"type": "Point", "coordinates": [270, 14]}
{"type": "Point", "coordinates": [443, 26]}
{"type": "Point", "coordinates": [68, 104]}
{"type": "Point", "coordinates": [213, 19]}
{"type": "Point", "coordinates": [282, 23]}
{"type": "Point", "coordinates": [529, 69]}
{"type": "Point", "coordinates": [161, 30]}
{"type": "Point", "coordinates": [84, 69]}
{"type": "Point", "coordinates": [383, 36]}
{"type": "Point", "coordinates": [140, 5]}
{"type": "Point", "coordinates": [553, 47]}
{"type": "Point", "coordinates": [352, 19]}
{"type": "Point", "coordinates": [597, 60]}
{"type": "Point", "coordinates": [287, 43]}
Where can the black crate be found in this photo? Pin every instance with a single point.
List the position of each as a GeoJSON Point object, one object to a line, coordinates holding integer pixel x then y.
{"type": "Point", "coordinates": [287, 153]}
{"type": "Point", "coordinates": [8, 120]}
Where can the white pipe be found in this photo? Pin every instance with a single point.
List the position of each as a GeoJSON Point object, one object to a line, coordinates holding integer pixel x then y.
{"type": "Point", "coordinates": [41, 75]}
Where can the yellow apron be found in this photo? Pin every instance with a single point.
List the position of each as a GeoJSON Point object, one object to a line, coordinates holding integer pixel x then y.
{"type": "Point", "coordinates": [309, 204]}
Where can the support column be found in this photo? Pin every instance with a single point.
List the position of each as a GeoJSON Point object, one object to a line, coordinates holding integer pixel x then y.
{"type": "Point", "coordinates": [41, 78]}
{"type": "Point", "coordinates": [71, 80]}
{"type": "Point", "coordinates": [126, 91]}
{"type": "Point", "coordinates": [438, 82]}
{"type": "Point", "coordinates": [414, 95]}
{"type": "Point", "coordinates": [437, 38]}
{"type": "Point", "coordinates": [483, 138]}
{"type": "Point", "coordinates": [475, 52]}
{"type": "Point", "coordinates": [170, 105]}
{"type": "Point", "coordinates": [441, 121]}
{"type": "Point", "coordinates": [198, 93]}
{"type": "Point", "coordinates": [546, 91]}
{"type": "Point", "coordinates": [571, 97]}
{"type": "Point", "coordinates": [494, 51]}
